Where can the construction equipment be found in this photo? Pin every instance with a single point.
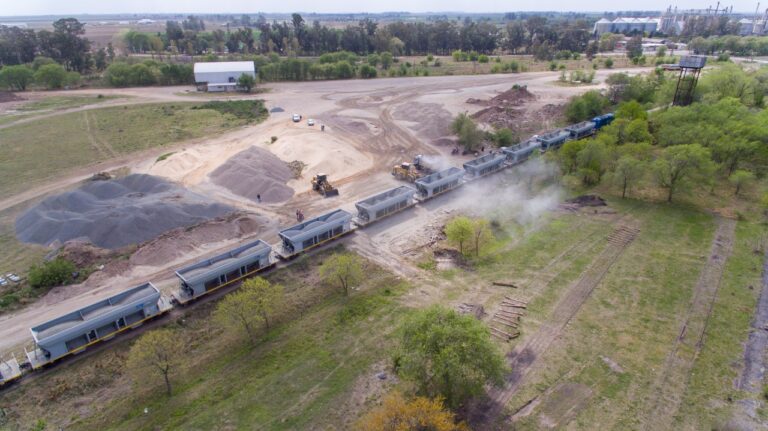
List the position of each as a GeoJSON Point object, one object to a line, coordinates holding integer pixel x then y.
{"type": "Point", "coordinates": [321, 185]}
{"type": "Point", "coordinates": [406, 171]}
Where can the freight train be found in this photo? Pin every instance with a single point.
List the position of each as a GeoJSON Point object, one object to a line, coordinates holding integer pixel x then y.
{"type": "Point", "coordinates": [74, 332]}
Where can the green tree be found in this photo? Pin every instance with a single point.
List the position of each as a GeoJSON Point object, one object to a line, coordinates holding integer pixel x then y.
{"type": "Point", "coordinates": [681, 164]}
{"type": "Point", "coordinates": [661, 51]}
{"type": "Point", "coordinates": [481, 235]}
{"type": "Point", "coordinates": [568, 156]}
{"type": "Point", "coordinates": [344, 270]}
{"type": "Point", "coordinates": [609, 63]}
{"type": "Point", "coordinates": [52, 273]}
{"type": "Point", "coordinates": [627, 173]}
{"type": "Point", "coordinates": [593, 161]}
{"type": "Point", "coordinates": [449, 355]}
{"type": "Point", "coordinates": [469, 135]}
{"type": "Point", "coordinates": [257, 301]}
{"type": "Point", "coordinates": [635, 47]}
{"type": "Point", "coordinates": [157, 352]}
{"type": "Point", "coordinates": [741, 179]}
{"type": "Point", "coordinates": [731, 152]}
{"type": "Point", "coordinates": [367, 71]}
{"type": "Point", "coordinates": [16, 77]}
{"type": "Point", "coordinates": [459, 232]}
{"type": "Point", "coordinates": [504, 137]}
{"type": "Point", "coordinates": [631, 110]}
{"type": "Point", "coordinates": [386, 60]}
{"type": "Point", "coordinates": [51, 76]}
{"type": "Point", "coordinates": [374, 59]}
{"type": "Point", "coordinates": [586, 106]}
{"type": "Point", "coordinates": [246, 82]}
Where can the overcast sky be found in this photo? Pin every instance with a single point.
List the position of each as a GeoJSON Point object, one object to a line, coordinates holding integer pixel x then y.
{"type": "Point", "coordinates": [60, 7]}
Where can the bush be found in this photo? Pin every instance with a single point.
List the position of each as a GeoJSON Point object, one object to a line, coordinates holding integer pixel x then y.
{"type": "Point", "coordinates": [608, 63]}
{"type": "Point", "coordinates": [39, 62]}
{"type": "Point", "coordinates": [553, 66]}
{"type": "Point", "coordinates": [430, 57]}
{"type": "Point", "coordinates": [483, 58]}
{"type": "Point", "coordinates": [16, 77]}
{"type": "Point", "coordinates": [367, 72]}
{"type": "Point", "coordinates": [53, 273]}
{"type": "Point", "coordinates": [586, 106]}
{"type": "Point", "coordinates": [51, 76]}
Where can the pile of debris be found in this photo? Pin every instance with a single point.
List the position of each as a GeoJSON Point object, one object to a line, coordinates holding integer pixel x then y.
{"type": "Point", "coordinates": [505, 324]}
{"type": "Point", "coordinates": [297, 167]}
{"type": "Point", "coordinates": [516, 96]}
{"type": "Point", "coordinates": [510, 110]}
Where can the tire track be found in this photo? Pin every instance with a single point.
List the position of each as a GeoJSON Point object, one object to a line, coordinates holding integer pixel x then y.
{"type": "Point", "coordinates": [669, 387]}
{"type": "Point", "coordinates": [525, 356]}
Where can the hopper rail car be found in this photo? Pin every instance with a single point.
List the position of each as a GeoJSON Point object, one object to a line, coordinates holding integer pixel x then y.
{"type": "Point", "coordinates": [103, 320]}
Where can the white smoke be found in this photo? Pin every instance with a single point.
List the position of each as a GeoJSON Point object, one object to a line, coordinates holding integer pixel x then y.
{"type": "Point", "coordinates": [436, 162]}
{"type": "Point", "coordinates": [523, 194]}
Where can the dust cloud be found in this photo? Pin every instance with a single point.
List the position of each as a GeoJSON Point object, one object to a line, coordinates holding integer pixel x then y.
{"type": "Point", "coordinates": [523, 194]}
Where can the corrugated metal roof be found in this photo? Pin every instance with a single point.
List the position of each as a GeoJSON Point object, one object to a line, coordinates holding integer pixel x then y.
{"type": "Point", "coordinates": [225, 66]}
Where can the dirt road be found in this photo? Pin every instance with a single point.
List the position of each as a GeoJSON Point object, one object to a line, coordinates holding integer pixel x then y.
{"type": "Point", "coordinates": [372, 124]}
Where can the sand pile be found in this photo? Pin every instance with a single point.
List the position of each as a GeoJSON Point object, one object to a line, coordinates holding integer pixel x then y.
{"type": "Point", "coordinates": [431, 120]}
{"type": "Point", "coordinates": [115, 213]}
{"type": "Point", "coordinates": [253, 172]}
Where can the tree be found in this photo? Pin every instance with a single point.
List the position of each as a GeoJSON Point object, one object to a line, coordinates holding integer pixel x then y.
{"type": "Point", "coordinates": [246, 82]}
{"type": "Point", "coordinates": [504, 137]}
{"type": "Point", "coordinates": [459, 231]}
{"type": "Point", "coordinates": [51, 76]}
{"type": "Point", "coordinates": [156, 352]}
{"type": "Point", "coordinates": [420, 413]}
{"type": "Point", "coordinates": [609, 63]}
{"type": "Point", "coordinates": [680, 164]}
{"type": "Point", "coordinates": [481, 234]}
{"type": "Point", "coordinates": [593, 160]}
{"type": "Point", "coordinates": [628, 172]}
{"type": "Point", "coordinates": [16, 77]}
{"type": "Point", "coordinates": [386, 60]}
{"type": "Point", "coordinates": [586, 106]}
{"type": "Point", "coordinates": [447, 354]}
{"type": "Point", "coordinates": [52, 273]}
{"type": "Point", "coordinates": [635, 47]}
{"type": "Point", "coordinates": [631, 111]}
{"type": "Point", "coordinates": [255, 302]}
{"type": "Point", "coordinates": [466, 129]}
{"type": "Point", "coordinates": [741, 179]}
{"type": "Point", "coordinates": [367, 71]}
{"type": "Point", "coordinates": [342, 269]}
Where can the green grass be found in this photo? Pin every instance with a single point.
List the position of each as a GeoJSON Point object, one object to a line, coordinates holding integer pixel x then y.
{"type": "Point", "coordinates": [16, 257]}
{"type": "Point", "coordinates": [300, 375]}
{"type": "Point", "coordinates": [55, 103]}
{"type": "Point", "coordinates": [632, 318]}
{"type": "Point", "coordinates": [44, 150]}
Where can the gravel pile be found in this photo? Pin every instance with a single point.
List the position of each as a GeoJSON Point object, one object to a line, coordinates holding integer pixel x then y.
{"type": "Point", "coordinates": [254, 172]}
{"type": "Point", "coordinates": [116, 213]}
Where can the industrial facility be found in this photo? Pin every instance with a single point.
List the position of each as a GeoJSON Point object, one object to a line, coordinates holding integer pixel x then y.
{"type": "Point", "coordinates": [226, 268]}
{"type": "Point", "coordinates": [222, 76]}
{"type": "Point", "coordinates": [73, 332]}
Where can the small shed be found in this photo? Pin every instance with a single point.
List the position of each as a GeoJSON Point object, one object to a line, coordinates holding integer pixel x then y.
{"type": "Point", "coordinates": [315, 231]}
{"type": "Point", "coordinates": [439, 182]}
{"type": "Point", "coordinates": [73, 332]}
{"type": "Point", "coordinates": [223, 75]}
{"type": "Point", "coordinates": [223, 269]}
{"type": "Point", "coordinates": [385, 203]}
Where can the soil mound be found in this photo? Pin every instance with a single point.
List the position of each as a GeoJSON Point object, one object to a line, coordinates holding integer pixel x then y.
{"type": "Point", "coordinates": [115, 213]}
{"type": "Point", "coordinates": [431, 120]}
{"type": "Point", "coordinates": [254, 172]}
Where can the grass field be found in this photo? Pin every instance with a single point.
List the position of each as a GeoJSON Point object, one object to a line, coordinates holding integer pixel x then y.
{"type": "Point", "coordinates": [56, 103]}
{"type": "Point", "coordinates": [313, 370]}
{"type": "Point", "coordinates": [47, 149]}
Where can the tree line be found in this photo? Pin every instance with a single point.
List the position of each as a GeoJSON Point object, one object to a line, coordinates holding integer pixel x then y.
{"type": "Point", "coordinates": [533, 35]}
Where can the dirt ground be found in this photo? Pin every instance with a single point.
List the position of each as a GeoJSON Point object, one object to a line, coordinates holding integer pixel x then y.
{"type": "Point", "coordinates": [370, 126]}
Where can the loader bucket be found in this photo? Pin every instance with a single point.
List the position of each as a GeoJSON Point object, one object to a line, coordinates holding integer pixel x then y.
{"type": "Point", "coordinates": [331, 192]}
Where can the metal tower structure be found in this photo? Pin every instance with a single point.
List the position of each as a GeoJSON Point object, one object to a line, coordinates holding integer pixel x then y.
{"type": "Point", "coordinates": [690, 69]}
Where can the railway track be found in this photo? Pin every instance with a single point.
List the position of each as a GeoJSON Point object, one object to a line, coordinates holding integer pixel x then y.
{"type": "Point", "coordinates": [523, 358]}
{"type": "Point", "coordinates": [675, 374]}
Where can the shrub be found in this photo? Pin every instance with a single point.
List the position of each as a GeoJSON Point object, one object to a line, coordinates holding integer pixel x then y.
{"type": "Point", "coordinates": [52, 273]}
{"type": "Point", "coordinates": [608, 63]}
{"type": "Point", "coordinates": [430, 57]}
{"type": "Point", "coordinates": [367, 72]}
{"type": "Point", "coordinates": [16, 77]}
{"type": "Point", "coordinates": [483, 58]}
{"type": "Point", "coordinates": [51, 76]}
{"type": "Point", "coordinates": [553, 66]}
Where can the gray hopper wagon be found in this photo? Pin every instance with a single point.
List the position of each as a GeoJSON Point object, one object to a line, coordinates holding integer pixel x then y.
{"type": "Point", "coordinates": [9, 371]}
{"type": "Point", "coordinates": [520, 152]}
{"type": "Point", "coordinates": [581, 130]}
{"type": "Point", "coordinates": [485, 165]}
{"type": "Point", "coordinates": [554, 140]}
{"type": "Point", "coordinates": [439, 182]}
{"type": "Point", "coordinates": [384, 204]}
{"type": "Point", "coordinates": [74, 332]}
{"type": "Point", "coordinates": [210, 274]}
{"type": "Point", "coordinates": [314, 232]}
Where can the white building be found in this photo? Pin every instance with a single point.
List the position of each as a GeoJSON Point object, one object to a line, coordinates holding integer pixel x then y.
{"type": "Point", "coordinates": [626, 25]}
{"type": "Point", "coordinates": [222, 76]}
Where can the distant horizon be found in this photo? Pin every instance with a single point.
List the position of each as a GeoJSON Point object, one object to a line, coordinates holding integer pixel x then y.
{"type": "Point", "coordinates": [42, 8]}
